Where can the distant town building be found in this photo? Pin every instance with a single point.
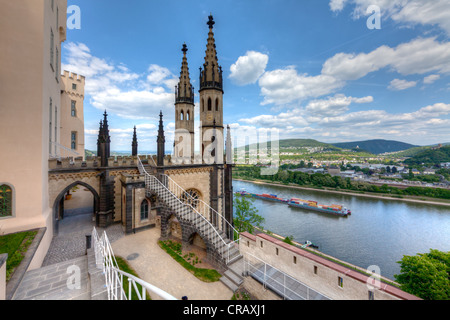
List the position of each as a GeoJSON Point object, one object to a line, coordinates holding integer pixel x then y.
{"type": "Point", "coordinates": [333, 170]}
{"type": "Point", "coordinates": [429, 171]}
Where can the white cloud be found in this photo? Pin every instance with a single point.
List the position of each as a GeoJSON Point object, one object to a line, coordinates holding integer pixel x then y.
{"type": "Point", "coordinates": [315, 111]}
{"type": "Point", "coordinates": [337, 5]}
{"type": "Point", "coordinates": [247, 69]}
{"type": "Point", "coordinates": [115, 88]}
{"type": "Point", "coordinates": [419, 56]}
{"type": "Point", "coordinates": [158, 75]}
{"type": "Point", "coordinates": [431, 78]}
{"type": "Point", "coordinates": [283, 86]}
{"type": "Point", "coordinates": [330, 125]}
{"type": "Point", "coordinates": [408, 12]}
{"type": "Point", "coordinates": [333, 106]}
{"type": "Point", "coordinates": [398, 84]}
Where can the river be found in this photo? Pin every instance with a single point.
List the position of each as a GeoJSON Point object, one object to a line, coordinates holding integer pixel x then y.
{"type": "Point", "coordinates": [378, 232]}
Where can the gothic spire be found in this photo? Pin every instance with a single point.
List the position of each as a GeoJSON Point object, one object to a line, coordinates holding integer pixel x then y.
{"type": "Point", "coordinates": [160, 142]}
{"type": "Point", "coordinates": [229, 147]}
{"type": "Point", "coordinates": [211, 75]}
{"type": "Point", "coordinates": [105, 127]}
{"type": "Point", "coordinates": [103, 141]}
{"type": "Point", "coordinates": [184, 92]}
{"type": "Point", "coordinates": [134, 144]}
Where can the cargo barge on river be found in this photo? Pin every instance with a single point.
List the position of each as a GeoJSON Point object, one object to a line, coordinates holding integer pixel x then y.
{"type": "Point", "coordinates": [314, 206]}
{"type": "Point", "coordinates": [264, 196]}
{"type": "Point", "coordinates": [334, 209]}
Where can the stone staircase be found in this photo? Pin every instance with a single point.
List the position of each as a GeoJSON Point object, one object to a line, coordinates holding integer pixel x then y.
{"type": "Point", "coordinates": [217, 238]}
{"type": "Point", "coordinates": [57, 281]}
{"type": "Point", "coordinates": [233, 277]}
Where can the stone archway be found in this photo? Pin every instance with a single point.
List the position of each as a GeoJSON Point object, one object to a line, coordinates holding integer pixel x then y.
{"type": "Point", "coordinates": [174, 228]}
{"type": "Point", "coordinates": [58, 205]}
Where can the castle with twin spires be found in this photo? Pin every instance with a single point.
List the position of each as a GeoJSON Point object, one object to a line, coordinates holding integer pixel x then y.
{"type": "Point", "coordinates": [120, 185]}
{"type": "Point", "coordinates": [187, 196]}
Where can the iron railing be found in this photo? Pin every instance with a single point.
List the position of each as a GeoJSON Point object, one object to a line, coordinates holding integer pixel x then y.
{"type": "Point", "coordinates": [114, 277]}
{"type": "Point", "coordinates": [278, 281]}
{"type": "Point", "coordinates": [194, 210]}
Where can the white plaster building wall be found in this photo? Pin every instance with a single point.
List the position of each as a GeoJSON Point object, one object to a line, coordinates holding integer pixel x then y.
{"type": "Point", "coordinates": [29, 80]}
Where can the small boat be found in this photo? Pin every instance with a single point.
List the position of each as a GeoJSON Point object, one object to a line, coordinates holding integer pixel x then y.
{"type": "Point", "coordinates": [309, 244]}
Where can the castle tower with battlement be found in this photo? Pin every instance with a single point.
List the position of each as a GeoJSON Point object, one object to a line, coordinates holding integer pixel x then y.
{"type": "Point", "coordinates": [72, 115]}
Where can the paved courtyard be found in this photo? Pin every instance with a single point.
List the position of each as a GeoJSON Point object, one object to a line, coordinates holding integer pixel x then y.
{"type": "Point", "coordinates": [158, 268]}
{"type": "Point", "coordinates": [70, 242]}
{"type": "Point", "coordinates": [142, 252]}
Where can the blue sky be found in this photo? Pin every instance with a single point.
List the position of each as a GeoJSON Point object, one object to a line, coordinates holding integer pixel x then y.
{"type": "Point", "coordinates": [310, 69]}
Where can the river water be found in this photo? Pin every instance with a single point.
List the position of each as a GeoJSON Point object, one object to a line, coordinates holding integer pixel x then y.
{"type": "Point", "coordinates": [378, 232]}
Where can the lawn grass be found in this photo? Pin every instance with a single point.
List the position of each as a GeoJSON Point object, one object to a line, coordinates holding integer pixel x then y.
{"type": "Point", "coordinates": [205, 275]}
{"type": "Point", "coordinates": [15, 245]}
{"type": "Point", "coordinates": [124, 266]}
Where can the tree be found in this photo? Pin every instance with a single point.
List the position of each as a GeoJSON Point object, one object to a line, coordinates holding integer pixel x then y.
{"type": "Point", "coordinates": [426, 275]}
{"type": "Point", "coordinates": [245, 214]}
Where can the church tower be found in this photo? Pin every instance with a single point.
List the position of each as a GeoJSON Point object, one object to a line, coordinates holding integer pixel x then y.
{"type": "Point", "coordinates": [184, 113]}
{"type": "Point", "coordinates": [211, 100]}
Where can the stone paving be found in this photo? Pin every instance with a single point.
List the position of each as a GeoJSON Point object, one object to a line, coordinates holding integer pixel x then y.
{"type": "Point", "coordinates": [70, 242]}
{"type": "Point", "coordinates": [51, 282]}
{"type": "Point", "coordinates": [66, 255]}
{"type": "Point", "coordinates": [152, 263]}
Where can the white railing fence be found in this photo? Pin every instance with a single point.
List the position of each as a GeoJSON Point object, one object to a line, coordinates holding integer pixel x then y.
{"type": "Point", "coordinates": [200, 206]}
{"type": "Point", "coordinates": [278, 281]}
{"type": "Point", "coordinates": [58, 151]}
{"type": "Point", "coordinates": [114, 277]}
{"type": "Point", "coordinates": [197, 210]}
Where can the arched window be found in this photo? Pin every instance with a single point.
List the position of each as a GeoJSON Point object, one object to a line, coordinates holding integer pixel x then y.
{"type": "Point", "coordinates": [144, 209]}
{"type": "Point", "coordinates": [209, 104]}
{"type": "Point", "coordinates": [217, 104]}
{"type": "Point", "coordinates": [187, 115]}
{"type": "Point", "coordinates": [182, 115]}
{"type": "Point", "coordinates": [6, 201]}
{"type": "Point", "coordinates": [73, 108]}
{"type": "Point", "coordinates": [191, 197]}
{"type": "Point", "coordinates": [203, 105]}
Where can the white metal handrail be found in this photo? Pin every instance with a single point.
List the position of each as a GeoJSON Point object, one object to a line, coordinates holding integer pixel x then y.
{"type": "Point", "coordinates": [255, 266]}
{"type": "Point", "coordinates": [202, 207]}
{"type": "Point", "coordinates": [153, 183]}
{"type": "Point", "coordinates": [57, 155]}
{"type": "Point", "coordinates": [106, 260]}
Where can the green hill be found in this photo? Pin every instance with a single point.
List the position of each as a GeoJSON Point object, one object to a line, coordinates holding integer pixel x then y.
{"type": "Point", "coordinates": [302, 143]}
{"type": "Point", "coordinates": [377, 146]}
{"type": "Point", "coordinates": [411, 152]}
{"type": "Point", "coordinates": [430, 157]}
{"type": "Point", "coordinates": [298, 144]}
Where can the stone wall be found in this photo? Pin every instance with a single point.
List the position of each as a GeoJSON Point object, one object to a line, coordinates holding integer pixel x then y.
{"type": "Point", "coordinates": [189, 236]}
{"type": "Point", "coordinates": [58, 181]}
{"type": "Point", "coordinates": [328, 278]}
{"type": "Point", "coordinates": [3, 258]}
{"type": "Point", "coordinates": [193, 178]}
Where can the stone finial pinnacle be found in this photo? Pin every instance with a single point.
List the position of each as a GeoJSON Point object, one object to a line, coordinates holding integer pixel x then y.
{"type": "Point", "coordinates": [210, 22]}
